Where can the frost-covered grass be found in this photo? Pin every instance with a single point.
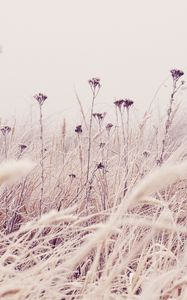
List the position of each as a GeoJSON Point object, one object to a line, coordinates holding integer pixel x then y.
{"type": "Point", "coordinates": [113, 223]}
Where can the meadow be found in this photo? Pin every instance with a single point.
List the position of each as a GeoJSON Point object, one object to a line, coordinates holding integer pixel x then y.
{"type": "Point", "coordinates": [96, 212]}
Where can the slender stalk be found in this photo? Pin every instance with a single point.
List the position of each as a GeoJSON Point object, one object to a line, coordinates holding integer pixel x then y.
{"type": "Point", "coordinates": [95, 87]}
{"type": "Point", "coordinates": [90, 135]}
{"type": "Point", "coordinates": [127, 152]}
{"type": "Point", "coordinates": [41, 99]}
{"type": "Point", "coordinates": [41, 160]}
{"type": "Point", "coordinates": [169, 119]}
{"type": "Point", "coordinates": [122, 123]}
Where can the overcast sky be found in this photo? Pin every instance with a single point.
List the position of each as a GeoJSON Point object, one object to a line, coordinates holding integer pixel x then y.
{"type": "Point", "coordinates": [55, 46]}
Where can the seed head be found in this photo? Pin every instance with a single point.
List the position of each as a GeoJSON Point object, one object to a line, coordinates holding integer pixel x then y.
{"type": "Point", "coordinates": [40, 98]}
{"type": "Point", "coordinates": [101, 145]}
{"type": "Point", "coordinates": [72, 176]}
{"type": "Point", "coordinates": [5, 130]}
{"type": "Point", "coordinates": [176, 74]}
{"type": "Point", "coordinates": [22, 147]}
{"type": "Point", "coordinates": [94, 83]}
{"type": "Point", "coordinates": [127, 103]}
{"type": "Point", "coordinates": [99, 116]}
{"type": "Point", "coordinates": [109, 126]}
{"type": "Point", "coordinates": [119, 103]}
{"type": "Point", "coordinates": [100, 166]}
{"type": "Point", "coordinates": [78, 129]}
{"type": "Point", "coordinates": [146, 154]}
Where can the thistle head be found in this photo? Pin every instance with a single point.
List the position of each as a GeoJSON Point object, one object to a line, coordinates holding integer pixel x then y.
{"type": "Point", "coordinates": [5, 130]}
{"type": "Point", "coordinates": [40, 98]}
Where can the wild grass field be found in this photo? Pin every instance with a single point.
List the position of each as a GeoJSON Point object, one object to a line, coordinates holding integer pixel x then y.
{"type": "Point", "coordinates": [98, 212]}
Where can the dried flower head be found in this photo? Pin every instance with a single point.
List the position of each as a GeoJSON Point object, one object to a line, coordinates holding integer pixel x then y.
{"type": "Point", "coordinates": [99, 116]}
{"type": "Point", "coordinates": [94, 83]}
{"type": "Point", "coordinates": [109, 126]}
{"type": "Point", "coordinates": [100, 166]}
{"type": "Point", "coordinates": [40, 98]}
{"type": "Point", "coordinates": [127, 103]}
{"type": "Point", "coordinates": [146, 154]}
{"type": "Point", "coordinates": [78, 129]}
{"type": "Point", "coordinates": [176, 74]}
{"type": "Point", "coordinates": [22, 147]}
{"type": "Point", "coordinates": [72, 176]}
{"type": "Point", "coordinates": [101, 145]}
{"type": "Point", "coordinates": [5, 130]}
{"type": "Point", "coordinates": [119, 103]}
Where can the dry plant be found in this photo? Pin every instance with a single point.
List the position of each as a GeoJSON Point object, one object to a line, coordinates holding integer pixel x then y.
{"type": "Point", "coordinates": [128, 245]}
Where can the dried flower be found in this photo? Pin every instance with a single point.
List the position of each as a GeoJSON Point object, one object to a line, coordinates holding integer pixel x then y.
{"type": "Point", "coordinates": [101, 145]}
{"type": "Point", "coordinates": [119, 103]}
{"type": "Point", "coordinates": [127, 103]}
{"type": "Point", "coordinates": [5, 130]}
{"type": "Point", "coordinates": [94, 83]}
{"type": "Point", "coordinates": [72, 176]}
{"type": "Point", "coordinates": [176, 74]}
{"type": "Point", "coordinates": [78, 129]}
{"type": "Point", "coordinates": [99, 116]}
{"type": "Point", "coordinates": [100, 166]}
{"type": "Point", "coordinates": [22, 147]}
{"type": "Point", "coordinates": [109, 126]}
{"type": "Point", "coordinates": [146, 154]}
{"type": "Point", "coordinates": [40, 98]}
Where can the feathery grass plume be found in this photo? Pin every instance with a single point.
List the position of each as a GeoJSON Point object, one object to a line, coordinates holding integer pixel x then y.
{"type": "Point", "coordinates": [12, 169]}
{"type": "Point", "coordinates": [159, 178]}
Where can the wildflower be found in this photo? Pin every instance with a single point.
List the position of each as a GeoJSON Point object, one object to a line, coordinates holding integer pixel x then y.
{"type": "Point", "coordinates": [5, 130]}
{"type": "Point", "coordinates": [94, 83]}
{"type": "Point", "coordinates": [127, 103]}
{"type": "Point", "coordinates": [40, 98]}
{"type": "Point", "coordinates": [176, 74]}
{"type": "Point", "coordinates": [78, 129]}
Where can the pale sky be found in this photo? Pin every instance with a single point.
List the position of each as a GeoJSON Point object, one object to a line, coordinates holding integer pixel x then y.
{"type": "Point", "coordinates": [54, 46]}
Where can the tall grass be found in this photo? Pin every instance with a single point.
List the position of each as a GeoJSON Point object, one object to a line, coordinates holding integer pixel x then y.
{"type": "Point", "coordinates": [127, 245]}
